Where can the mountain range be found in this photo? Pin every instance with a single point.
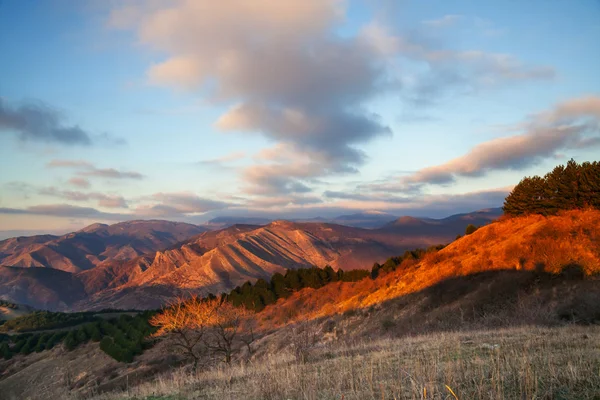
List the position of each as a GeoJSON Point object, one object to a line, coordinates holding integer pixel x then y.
{"type": "Point", "coordinates": [144, 264]}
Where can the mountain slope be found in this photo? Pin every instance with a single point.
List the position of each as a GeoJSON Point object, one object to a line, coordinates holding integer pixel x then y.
{"type": "Point", "coordinates": [366, 219]}
{"type": "Point", "coordinates": [569, 242]}
{"type": "Point", "coordinates": [218, 261]}
{"type": "Point", "coordinates": [42, 288]}
{"type": "Point", "coordinates": [94, 244]}
{"type": "Point", "coordinates": [454, 224]}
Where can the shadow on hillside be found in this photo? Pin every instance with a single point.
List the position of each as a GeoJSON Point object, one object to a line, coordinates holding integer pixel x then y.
{"type": "Point", "coordinates": [490, 299]}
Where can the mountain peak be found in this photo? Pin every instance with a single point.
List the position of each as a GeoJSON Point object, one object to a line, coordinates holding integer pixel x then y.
{"type": "Point", "coordinates": [93, 227]}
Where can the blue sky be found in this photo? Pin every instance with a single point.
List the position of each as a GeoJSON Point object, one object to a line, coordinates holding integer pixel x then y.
{"type": "Point", "coordinates": [186, 110]}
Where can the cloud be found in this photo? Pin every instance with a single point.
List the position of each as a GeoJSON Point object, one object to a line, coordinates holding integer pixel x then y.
{"type": "Point", "coordinates": [443, 22]}
{"type": "Point", "coordinates": [366, 197]}
{"type": "Point", "coordinates": [444, 72]}
{"type": "Point", "coordinates": [111, 173]}
{"type": "Point", "coordinates": [104, 200]}
{"type": "Point", "coordinates": [288, 76]}
{"type": "Point", "coordinates": [79, 182]}
{"type": "Point", "coordinates": [226, 159]}
{"type": "Point", "coordinates": [570, 125]}
{"type": "Point", "coordinates": [179, 203]}
{"type": "Point", "coordinates": [282, 201]}
{"type": "Point", "coordinates": [87, 169]}
{"type": "Point", "coordinates": [66, 211]}
{"type": "Point", "coordinates": [38, 122]}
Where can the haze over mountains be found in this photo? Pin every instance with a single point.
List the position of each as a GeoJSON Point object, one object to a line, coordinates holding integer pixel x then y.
{"type": "Point", "coordinates": [143, 264]}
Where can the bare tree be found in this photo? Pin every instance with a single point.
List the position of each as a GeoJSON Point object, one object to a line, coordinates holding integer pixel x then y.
{"type": "Point", "coordinates": [225, 330]}
{"type": "Point", "coordinates": [199, 328]}
{"type": "Point", "coordinates": [304, 338]}
{"type": "Point", "coordinates": [185, 324]}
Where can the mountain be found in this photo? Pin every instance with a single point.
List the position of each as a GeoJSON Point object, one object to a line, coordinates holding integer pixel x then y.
{"type": "Point", "coordinates": [512, 283]}
{"type": "Point", "coordinates": [92, 245]}
{"type": "Point", "coordinates": [221, 260]}
{"type": "Point", "coordinates": [225, 222]}
{"type": "Point", "coordinates": [524, 270]}
{"type": "Point", "coordinates": [366, 219]}
{"type": "Point", "coordinates": [218, 261]}
{"type": "Point", "coordinates": [42, 288]}
{"type": "Point", "coordinates": [454, 224]}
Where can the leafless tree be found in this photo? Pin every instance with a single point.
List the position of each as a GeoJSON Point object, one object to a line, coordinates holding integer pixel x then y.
{"type": "Point", "coordinates": [184, 323]}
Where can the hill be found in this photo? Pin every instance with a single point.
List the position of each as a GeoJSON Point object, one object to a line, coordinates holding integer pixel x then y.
{"type": "Point", "coordinates": [366, 219]}
{"type": "Point", "coordinates": [211, 262]}
{"type": "Point", "coordinates": [97, 243]}
{"type": "Point", "coordinates": [480, 281]}
{"type": "Point", "coordinates": [568, 243]}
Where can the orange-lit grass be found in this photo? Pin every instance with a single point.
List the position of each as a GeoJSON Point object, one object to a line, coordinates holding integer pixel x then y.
{"type": "Point", "coordinates": [529, 242]}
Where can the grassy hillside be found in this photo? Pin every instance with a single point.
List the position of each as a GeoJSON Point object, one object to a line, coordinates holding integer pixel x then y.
{"type": "Point", "coordinates": [568, 242]}
{"type": "Point", "coordinates": [515, 289]}
{"type": "Point", "coordinates": [529, 363]}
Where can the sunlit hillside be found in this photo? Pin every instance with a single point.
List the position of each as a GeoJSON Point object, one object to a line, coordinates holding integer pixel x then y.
{"type": "Point", "coordinates": [569, 241]}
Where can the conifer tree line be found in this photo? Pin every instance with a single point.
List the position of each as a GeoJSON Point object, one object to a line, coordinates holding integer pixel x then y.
{"type": "Point", "coordinates": [121, 338]}
{"type": "Point", "coordinates": [566, 187]}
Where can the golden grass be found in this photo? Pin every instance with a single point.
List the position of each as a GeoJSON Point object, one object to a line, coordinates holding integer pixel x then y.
{"type": "Point", "coordinates": [523, 243]}
{"type": "Point", "coordinates": [518, 363]}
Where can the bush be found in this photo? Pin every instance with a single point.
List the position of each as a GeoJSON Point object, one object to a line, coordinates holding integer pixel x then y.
{"type": "Point", "coordinates": [470, 229]}
{"type": "Point", "coordinates": [387, 324]}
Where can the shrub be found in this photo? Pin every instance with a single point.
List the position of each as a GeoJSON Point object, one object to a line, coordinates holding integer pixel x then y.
{"type": "Point", "coordinates": [470, 229]}
{"type": "Point", "coordinates": [387, 324]}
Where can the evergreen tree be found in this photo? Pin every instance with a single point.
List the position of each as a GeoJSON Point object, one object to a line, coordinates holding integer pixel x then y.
{"type": "Point", "coordinates": [71, 341]}
{"type": "Point", "coordinates": [470, 229]}
{"type": "Point", "coordinates": [5, 351]}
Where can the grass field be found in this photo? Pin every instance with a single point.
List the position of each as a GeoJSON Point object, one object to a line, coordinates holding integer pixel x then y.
{"type": "Point", "coordinates": [519, 363]}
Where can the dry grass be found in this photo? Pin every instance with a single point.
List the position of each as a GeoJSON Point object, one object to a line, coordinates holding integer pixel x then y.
{"type": "Point", "coordinates": [518, 363]}
{"type": "Point", "coordinates": [525, 243]}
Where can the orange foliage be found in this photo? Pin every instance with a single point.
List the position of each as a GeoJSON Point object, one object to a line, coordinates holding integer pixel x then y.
{"type": "Point", "coordinates": [529, 242]}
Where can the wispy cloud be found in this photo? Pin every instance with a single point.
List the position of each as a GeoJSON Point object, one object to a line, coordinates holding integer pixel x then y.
{"type": "Point", "coordinates": [104, 200]}
{"type": "Point", "coordinates": [443, 22]}
{"type": "Point", "coordinates": [573, 124]}
{"type": "Point", "coordinates": [87, 169]}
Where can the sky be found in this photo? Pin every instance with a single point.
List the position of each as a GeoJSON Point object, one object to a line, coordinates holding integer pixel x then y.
{"type": "Point", "coordinates": [190, 109]}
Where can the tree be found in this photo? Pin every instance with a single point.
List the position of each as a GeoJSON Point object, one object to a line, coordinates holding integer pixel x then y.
{"type": "Point", "coordinates": [224, 330]}
{"type": "Point", "coordinates": [304, 337]}
{"type": "Point", "coordinates": [71, 341]}
{"type": "Point", "coordinates": [470, 229]}
{"type": "Point", "coordinates": [185, 322]}
{"type": "Point", "coordinates": [566, 187]}
{"type": "Point", "coordinates": [5, 351]}
{"type": "Point", "coordinates": [529, 196]}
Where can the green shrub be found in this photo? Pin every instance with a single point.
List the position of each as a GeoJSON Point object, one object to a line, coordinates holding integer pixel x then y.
{"type": "Point", "coordinates": [470, 229]}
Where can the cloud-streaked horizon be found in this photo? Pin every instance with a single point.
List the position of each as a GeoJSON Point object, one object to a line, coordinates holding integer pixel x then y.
{"type": "Point", "coordinates": [301, 107]}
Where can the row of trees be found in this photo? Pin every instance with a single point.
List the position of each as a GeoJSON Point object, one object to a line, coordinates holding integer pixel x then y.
{"type": "Point", "coordinates": [567, 187]}
{"type": "Point", "coordinates": [120, 338]}
{"type": "Point", "coordinates": [257, 296]}
{"type": "Point", "coordinates": [41, 320]}
{"type": "Point", "coordinates": [409, 256]}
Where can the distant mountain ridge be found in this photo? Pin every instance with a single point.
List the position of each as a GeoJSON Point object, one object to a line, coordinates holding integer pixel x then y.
{"type": "Point", "coordinates": [90, 246]}
{"type": "Point", "coordinates": [217, 261]}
